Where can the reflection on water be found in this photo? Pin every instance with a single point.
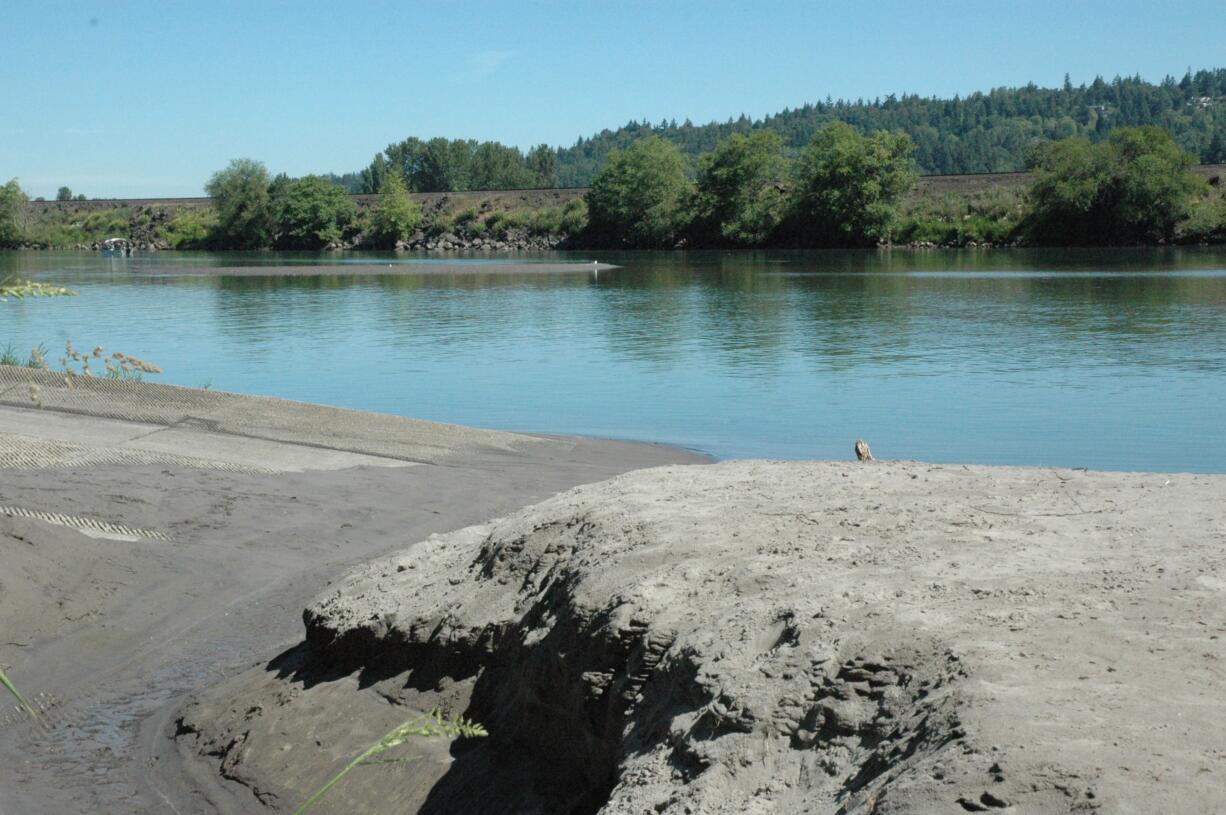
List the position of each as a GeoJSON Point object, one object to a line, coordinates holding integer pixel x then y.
{"type": "Point", "coordinates": [1102, 358]}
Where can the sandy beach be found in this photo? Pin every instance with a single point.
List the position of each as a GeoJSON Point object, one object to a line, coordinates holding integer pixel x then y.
{"type": "Point", "coordinates": [154, 540]}
{"type": "Point", "coordinates": [769, 637]}
{"type": "Point", "coordinates": [636, 632]}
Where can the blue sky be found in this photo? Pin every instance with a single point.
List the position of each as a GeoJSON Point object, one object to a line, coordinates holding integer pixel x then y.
{"type": "Point", "coordinates": [149, 98]}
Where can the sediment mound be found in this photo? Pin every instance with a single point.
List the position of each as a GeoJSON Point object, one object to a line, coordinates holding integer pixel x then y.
{"type": "Point", "coordinates": [768, 637]}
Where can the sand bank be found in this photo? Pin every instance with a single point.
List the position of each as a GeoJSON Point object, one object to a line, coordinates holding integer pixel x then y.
{"type": "Point", "coordinates": [380, 269]}
{"type": "Point", "coordinates": [743, 637]}
{"type": "Point", "coordinates": [769, 638]}
{"type": "Point", "coordinates": [157, 539]}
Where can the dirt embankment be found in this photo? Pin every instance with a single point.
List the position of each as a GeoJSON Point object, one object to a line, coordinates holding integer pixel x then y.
{"type": "Point", "coordinates": [770, 638]}
{"type": "Point", "coordinates": [430, 201]}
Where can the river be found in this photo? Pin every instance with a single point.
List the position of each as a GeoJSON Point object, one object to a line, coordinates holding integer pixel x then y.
{"type": "Point", "coordinates": [1106, 359]}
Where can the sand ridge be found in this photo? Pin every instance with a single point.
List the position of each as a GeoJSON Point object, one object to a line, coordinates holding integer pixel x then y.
{"type": "Point", "coordinates": [773, 637]}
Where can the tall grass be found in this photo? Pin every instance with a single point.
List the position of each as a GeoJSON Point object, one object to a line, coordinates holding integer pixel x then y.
{"type": "Point", "coordinates": [425, 726]}
{"type": "Point", "coordinates": [21, 702]}
{"type": "Point", "coordinates": [36, 359]}
{"type": "Point", "coordinates": [61, 227]}
{"type": "Point", "coordinates": [115, 366]}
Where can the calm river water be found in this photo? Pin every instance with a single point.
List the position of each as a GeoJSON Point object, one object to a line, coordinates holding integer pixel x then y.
{"type": "Point", "coordinates": [1088, 358]}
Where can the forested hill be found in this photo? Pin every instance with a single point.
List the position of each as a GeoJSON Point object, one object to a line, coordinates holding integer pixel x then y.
{"type": "Point", "coordinates": [982, 132]}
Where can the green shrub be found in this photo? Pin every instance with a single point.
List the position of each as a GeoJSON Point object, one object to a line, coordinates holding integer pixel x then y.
{"type": "Point", "coordinates": [545, 221]}
{"type": "Point", "coordinates": [1206, 221]}
{"type": "Point", "coordinates": [574, 217]}
{"type": "Point", "coordinates": [55, 226]}
{"type": "Point", "coordinates": [397, 215]}
{"type": "Point", "coordinates": [190, 228]}
{"type": "Point", "coordinates": [1133, 188]}
{"type": "Point", "coordinates": [442, 222]}
{"type": "Point", "coordinates": [992, 216]}
{"type": "Point", "coordinates": [312, 212]}
{"type": "Point", "coordinates": [570, 219]}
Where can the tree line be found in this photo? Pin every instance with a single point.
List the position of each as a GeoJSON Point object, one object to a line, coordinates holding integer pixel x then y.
{"type": "Point", "coordinates": [254, 210]}
{"type": "Point", "coordinates": [981, 132]}
{"type": "Point", "coordinates": [842, 189]}
{"type": "Point", "coordinates": [845, 189]}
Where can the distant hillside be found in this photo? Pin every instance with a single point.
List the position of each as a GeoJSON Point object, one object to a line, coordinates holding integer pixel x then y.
{"type": "Point", "coordinates": [982, 132]}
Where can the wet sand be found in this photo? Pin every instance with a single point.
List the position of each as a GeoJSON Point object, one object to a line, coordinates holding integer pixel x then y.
{"type": "Point", "coordinates": [155, 540]}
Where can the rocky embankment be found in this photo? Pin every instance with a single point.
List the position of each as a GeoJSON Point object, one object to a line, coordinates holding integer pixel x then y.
{"type": "Point", "coordinates": [770, 638]}
{"type": "Point", "coordinates": [511, 240]}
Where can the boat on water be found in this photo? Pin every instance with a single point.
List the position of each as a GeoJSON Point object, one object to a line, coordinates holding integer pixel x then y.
{"type": "Point", "coordinates": [116, 247]}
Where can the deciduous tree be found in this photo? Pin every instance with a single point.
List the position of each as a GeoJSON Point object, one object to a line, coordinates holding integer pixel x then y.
{"type": "Point", "coordinates": [639, 198]}
{"type": "Point", "coordinates": [12, 202]}
{"type": "Point", "coordinates": [1134, 188]}
{"type": "Point", "coordinates": [312, 212]}
{"type": "Point", "coordinates": [739, 200]}
{"type": "Point", "coordinates": [847, 186]}
{"type": "Point", "coordinates": [244, 206]}
{"type": "Point", "coordinates": [396, 215]}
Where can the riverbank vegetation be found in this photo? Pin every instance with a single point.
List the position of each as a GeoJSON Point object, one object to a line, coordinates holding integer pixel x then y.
{"type": "Point", "coordinates": [846, 188]}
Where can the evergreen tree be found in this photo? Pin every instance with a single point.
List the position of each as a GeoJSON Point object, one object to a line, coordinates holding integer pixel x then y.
{"type": "Point", "coordinates": [1216, 153]}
